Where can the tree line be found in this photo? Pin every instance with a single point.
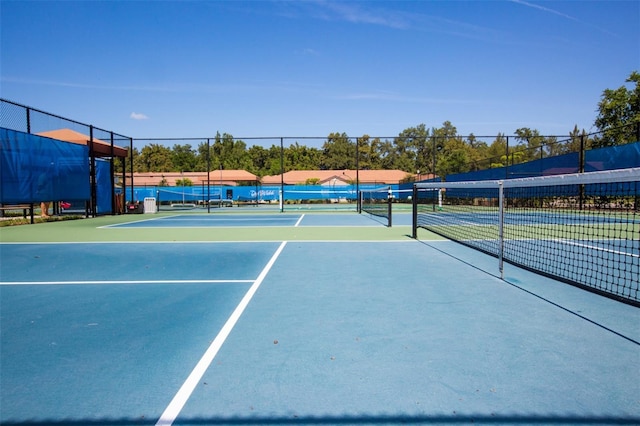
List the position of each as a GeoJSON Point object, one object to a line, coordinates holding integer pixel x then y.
{"type": "Point", "coordinates": [418, 149]}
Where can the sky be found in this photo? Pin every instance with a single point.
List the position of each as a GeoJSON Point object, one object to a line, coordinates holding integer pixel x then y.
{"type": "Point", "coordinates": [189, 69]}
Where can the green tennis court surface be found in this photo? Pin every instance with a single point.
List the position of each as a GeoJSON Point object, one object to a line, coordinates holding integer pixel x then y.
{"type": "Point", "coordinates": [339, 321]}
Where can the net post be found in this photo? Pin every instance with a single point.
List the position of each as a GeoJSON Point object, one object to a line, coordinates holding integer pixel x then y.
{"type": "Point", "coordinates": [359, 202]}
{"type": "Point", "coordinates": [501, 228]}
{"type": "Point", "coordinates": [208, 175]}
{"type": "Point", "coordinates": [281, 176]}
{"type": "Point", "coordinates": [389, 197]}
{"type": "Point", "coordinates": [414, 213]}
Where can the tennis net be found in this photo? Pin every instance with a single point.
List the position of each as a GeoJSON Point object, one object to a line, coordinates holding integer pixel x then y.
{"type": "Point", "coordinates": [582, 229]}
{"type": "Point", "coordinates": [377, 202]}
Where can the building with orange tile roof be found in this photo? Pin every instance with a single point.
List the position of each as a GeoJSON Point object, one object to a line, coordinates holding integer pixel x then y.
{"type": "Point", "coordinates": [215, 177]}
{"type": "Point", "coordinates": [341, 177]}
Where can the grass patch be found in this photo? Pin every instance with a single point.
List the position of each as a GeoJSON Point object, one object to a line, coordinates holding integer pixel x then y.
{"type": "Point", "coordinates": [16, 221]}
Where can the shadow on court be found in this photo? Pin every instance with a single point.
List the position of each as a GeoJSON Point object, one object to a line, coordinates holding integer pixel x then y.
{"type": "Point", "coordinates": [353, 420]}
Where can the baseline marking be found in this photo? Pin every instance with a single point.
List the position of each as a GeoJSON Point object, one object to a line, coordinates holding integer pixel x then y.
{"type": "Point", "coordinates": [180, 399]}
{"type": "Point", "coordinates": [124, 282]}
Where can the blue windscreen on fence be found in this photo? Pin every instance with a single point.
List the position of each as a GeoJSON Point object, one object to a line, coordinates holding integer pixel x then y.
{"type": "Point", "coordinates": [103, 187]}
{"type": "Point", "coordinates": [609, 158]}
{"type": "Point", "coordinates": [35, 169]}
{"type": "Point", "coordinates": [612, 157]}
{"type": "Point", "coordinates": [199, 194]}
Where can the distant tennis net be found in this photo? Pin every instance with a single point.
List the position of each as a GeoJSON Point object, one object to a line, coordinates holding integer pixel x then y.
{"type": "Point", "coordinates": [377, 202]}
{"type": "Point", "coordinates": [583, 229]}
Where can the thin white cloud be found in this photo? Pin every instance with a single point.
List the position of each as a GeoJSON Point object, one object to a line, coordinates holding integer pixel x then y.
{"type": "Point", "coordinates": [86, 86]}
{"type": "Point", "coordinates": [370, 14]}
{"type": "Point", "coordinates": [308, 52]}
{"type": "Point", "coordinates": [394, 97]}
{"type": "Point", "coordinates": [545, 9]}
{"type": "Point", "coordinates": [138, 116]}
{"type": "Point", "coordinates": [354, 12]}
{"type": "Point", "coordinates": [562, 15]}
{"type": "Point", "coordinates": [230, 87]}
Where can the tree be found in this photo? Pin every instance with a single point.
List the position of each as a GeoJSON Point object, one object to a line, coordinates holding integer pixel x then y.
{"type": "Point", "coordinates": [530, 145]}
{"type": "Point", "coordinates": [619, 114]}
{"type": "Point", "coordinates": [446, 144]}
{"type": "Point", "coordinates": [155, 158]}
{"type": "Point", "coordinates": [454, 157]}
{"type": "Point", "coordinates": [497, 151]}
{"type": "Point", "coordinates": [300, 157]}
{"type": "Point", "coordinates": [478, 153]}
{"type": "Point", "coordinates": [338, 152]}
{"type": "Point", "coordinates": [184, 158]}
{"type": "Point", "coordinates": [413, 151]}
{"type": "Point", "coordinates": [369, 153]}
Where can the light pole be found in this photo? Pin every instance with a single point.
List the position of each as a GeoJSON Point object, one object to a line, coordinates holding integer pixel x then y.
{"type": "Point", "coordinates": [344, 173]}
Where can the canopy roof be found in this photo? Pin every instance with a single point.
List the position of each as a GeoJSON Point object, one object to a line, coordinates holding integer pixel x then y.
{"type": "Point", "coordinates": [100, 148]}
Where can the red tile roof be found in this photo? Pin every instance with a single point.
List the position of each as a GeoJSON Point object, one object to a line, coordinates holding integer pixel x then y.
{"type": "Point", "coordinates": [299, 177]}
{"type": "Point", "coordinates": [216, 177]}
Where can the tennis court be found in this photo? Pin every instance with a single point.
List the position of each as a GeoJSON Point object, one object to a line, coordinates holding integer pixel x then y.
{"type": "Point", "coordinates": [262, 220]}
{"type": "Point", "coordinates": [314, 318]}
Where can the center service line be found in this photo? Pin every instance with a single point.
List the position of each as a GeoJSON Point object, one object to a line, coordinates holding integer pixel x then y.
{"type": "Point", "coordinates": [180, 399]}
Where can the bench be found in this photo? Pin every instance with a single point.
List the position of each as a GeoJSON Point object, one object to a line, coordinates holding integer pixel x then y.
{"type": "Point", "coordinates": [23, 207]}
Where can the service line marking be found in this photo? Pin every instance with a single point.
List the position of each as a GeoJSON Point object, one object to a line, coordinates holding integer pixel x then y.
{"type": "Point", "coordinates": [180, 399]}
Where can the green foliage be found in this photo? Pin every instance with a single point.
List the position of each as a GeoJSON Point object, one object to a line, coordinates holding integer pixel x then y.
{"type": "Point", "coordinates": [619, 114]}
{"type": "Point", "coordinates": [183, 158]}
{"type": "Point", "coordinates": [184, 182]}
{"type": "Point", "coordinates": [155, 158]}
{"type": "Point", "coordinates": [338, 152]}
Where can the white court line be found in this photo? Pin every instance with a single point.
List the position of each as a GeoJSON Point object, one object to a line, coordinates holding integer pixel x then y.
{"type": "Point", "coordinates": [180, 399]}
{"type": "Point", "coordinates": [124, 282]}
{"type": "Point", "coordinates": [299, 220]}
{"type": "Point", "coordinates": [574, 243]}
{"type": "Point", "coordinates": [604, 249]}
{"type": "Point", "coordinates": [114, 225]}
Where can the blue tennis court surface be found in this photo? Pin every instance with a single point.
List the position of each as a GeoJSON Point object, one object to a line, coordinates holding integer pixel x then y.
{"type": "Point", "coordinates": [304, 333]}
{"type": "Point", "coordinates": [260, 220]}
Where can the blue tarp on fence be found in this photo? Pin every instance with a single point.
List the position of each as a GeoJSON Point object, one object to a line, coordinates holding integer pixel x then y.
{"type": "Point", "coordinates": [609, 158]}
{"type": "Point", "coordinates": [35, 169]}
{"type": "Point", "coordinates": [200, 194]}
{"type": "Point", "coordinates": [103, 187]}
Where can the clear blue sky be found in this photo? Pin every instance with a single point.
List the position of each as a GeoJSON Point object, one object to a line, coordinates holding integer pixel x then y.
{"type": "Point", "coordinates": [308, 68]}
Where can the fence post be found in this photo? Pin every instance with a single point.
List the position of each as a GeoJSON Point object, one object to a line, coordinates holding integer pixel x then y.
{"type": "Point", "coordinates": [581, 160]}
{"type": "Point", "coordinates": [209, 176]}
{"type": "Point", "coordinates": [506, 160]}
{"type": "Point", "coordinates": [28, 120]}
{"type": "Point", "coordinates": [92, 174]}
